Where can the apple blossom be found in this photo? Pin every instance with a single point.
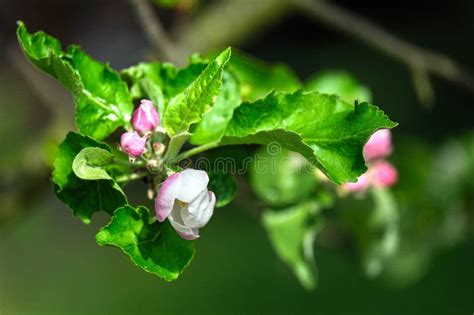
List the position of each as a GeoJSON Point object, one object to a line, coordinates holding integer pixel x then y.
{"type": "Point", "coordinates": [145, 118]}
{"type": "Point", "coordinates": [184, 199]}
{"type": "Point", "coordinates": [360, 185]}
{"type": "Point", "coordinates": [383, 174]}
{"type": "Point", "coordinates": [379, 145]}
{"type": "Point", "coordinates": [132, 144]}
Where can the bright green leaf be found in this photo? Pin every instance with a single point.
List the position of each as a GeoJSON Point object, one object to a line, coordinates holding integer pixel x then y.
{"type": "Point", "coordinates": [213, 124]}
{"type": "Point", "coordinates": [188, 107]}
{"type": "Point", "coordinates": [257, 78]}
{"type": "Point", "coordinates": [154, 247]}
{"type": "Point", "coordinates": [329, 132]}
{"type": "Point", "coordinates": [340, 83]}
{"type": "Point", "coordinates": [84, 197]}
{"type": "Point", "coordinates": [223, 186]}
{"type": "Point", "coordinates": [103, 102]}
{"type": "Point", "coordinates": [292, 232]}
{"type": "Point", "coordinates": [281, 177]}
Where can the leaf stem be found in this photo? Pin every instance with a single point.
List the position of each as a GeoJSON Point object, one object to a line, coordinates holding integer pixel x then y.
{"type": "Point", "coordinates": [175, 145]}
{"type": "Point", "coordinates": [196, 150]}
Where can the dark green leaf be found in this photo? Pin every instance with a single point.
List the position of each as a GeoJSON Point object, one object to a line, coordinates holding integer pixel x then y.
{"type": "Point", "coordinates": [213, 124]}
{"type": "Point", "coordinates": [188, 107]}
{"type": "Point", "coordinates": [103, 102]}
{"type": "Point", "coordinates": [154, 247]}
{"type": "Point", "coordinates": [329, 132]}
{"type": "Point", "coordinates": [223, 186]}
{"type": "Point", "coordinates": [84, 197]}
{"type": "Point", "coordinates": [292, 232]}
{"type": "Point", "coordinates": [257, 78]}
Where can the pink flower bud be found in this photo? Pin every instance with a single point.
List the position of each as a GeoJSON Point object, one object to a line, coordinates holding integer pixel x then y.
{"type": "Point", "coordinates": [383, 174]}
{"type": "Point", "coordinates": [379, 145]}
{"type": "Point", "coordinates": [145, 118]}
{"type": "Point", "coordinates": [132, 144]}
{"type": "Point", "coordinates": [360, 185]}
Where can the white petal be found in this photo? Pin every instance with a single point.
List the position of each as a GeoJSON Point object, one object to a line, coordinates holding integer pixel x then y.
{"type": "Point", "coordinates": [185, 232]}
{"type": "Point", "coordinates": [192, 183]}
{"type": "Point", "coordinates": [166, 196]}
{"type": "Point", "coordinates": [202, 212]}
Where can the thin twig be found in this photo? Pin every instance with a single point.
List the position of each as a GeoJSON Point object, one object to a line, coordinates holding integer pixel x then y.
{"type": "Point", "coordinates": [357, 26]}
{"type": "Point", "coordinates": [154, 31]}
{"type": "Point", "coordinates": [196, 150]}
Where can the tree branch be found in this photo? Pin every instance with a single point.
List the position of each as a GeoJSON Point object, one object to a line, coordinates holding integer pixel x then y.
{"type": "Point", "coordinates": [155, 32]}
{"type": "Point", "coordinates": [229, 22]}
{"type": "Point", "coordinates": [422, 60]}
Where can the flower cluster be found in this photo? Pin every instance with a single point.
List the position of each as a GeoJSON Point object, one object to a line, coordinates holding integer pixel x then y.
{"type": "Point", "coordinates": [145, 120]}
{"type": "Point", "coordinates": [380, 173]}
{"type": "Point", "coordinates": [183, 198]}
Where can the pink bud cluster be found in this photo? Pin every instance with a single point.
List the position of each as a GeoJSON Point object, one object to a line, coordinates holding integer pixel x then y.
{"type": "Point", "coordinates": [145, 120]}
{"type": "Point", "coordinates": [380, 173]}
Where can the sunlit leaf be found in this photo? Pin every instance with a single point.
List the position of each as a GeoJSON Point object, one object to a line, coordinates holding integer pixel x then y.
{"type": "Point", "coordinates": [327, 131]}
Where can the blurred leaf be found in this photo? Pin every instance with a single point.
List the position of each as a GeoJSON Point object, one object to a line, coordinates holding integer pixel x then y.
{"type": "Point", "coordinates": [188, 107]}
{"type": "Point", "coordinates": [257, 78]}
{"type": "Point", "coordinates": [166, 3]}
{"type": "Point", "coordinates": [213, 124]}
{"type": "Point", "coordinates": [376, 229]}
{"type": "Point", "coordinates": [224, 186]}
{"type": "Point", "coordinates": [281, 177]}
{"type": "Point", "coordinates": [327, 131]}
{"type": "Point", "coordinates": [340, 83]}
{"type": "Point", "coordinates": [99, 93]}
{"type": "Point", "coordinates": [292, 232]}
{"type": "Point", "coordinates": [154, 247]}
{"type": "Point", "coordinates": [84, 197]}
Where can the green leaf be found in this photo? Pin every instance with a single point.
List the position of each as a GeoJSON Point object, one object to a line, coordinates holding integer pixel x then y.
{"type": "Point", "coordinates": [213, 124]}
{"type": "Point", "coordinates": [224, 186]}
{"type": "Point", "coordinates": [154, 247]}
{"type": "Point", "coordinates": [90, 163]}
{"type": "Point", "coordinates": [160, 82]}
{"type": "Point", "coordinates": [257, 78]}
{"type": "Point", "coordinates": [341, 83]}
{"type": "Point", "coordinates": [281, 177]}
{"type": "Point", "coordinates": [188, 107]}
{"type": "Point", "coordinates": [103, 102]}
{"type": "Point", "coordinates": [292, 232]}
{"type": "Point", "coordinates": [45, 53]}
{"type": "Point", "coordinates": [327, 131]}
{"type": "Point", "coordinates": [83, 196]}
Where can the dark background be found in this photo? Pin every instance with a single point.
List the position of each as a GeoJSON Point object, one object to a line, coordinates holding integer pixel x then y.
{"type": "Point", "coordinates": [49, 261]}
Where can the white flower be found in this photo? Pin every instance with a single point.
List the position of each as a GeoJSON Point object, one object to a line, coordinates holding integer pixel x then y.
{"type": "Point", "coordinates": [184, 199]}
